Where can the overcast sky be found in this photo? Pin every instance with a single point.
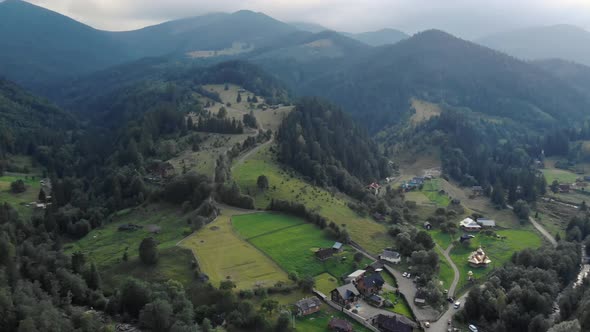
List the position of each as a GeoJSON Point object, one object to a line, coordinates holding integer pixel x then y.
{"type": "Point", "coordinates": [465, 18]}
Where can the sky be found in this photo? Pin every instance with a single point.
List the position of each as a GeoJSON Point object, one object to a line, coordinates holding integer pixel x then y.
{"type": "Point", "coordinates": [469, 19]}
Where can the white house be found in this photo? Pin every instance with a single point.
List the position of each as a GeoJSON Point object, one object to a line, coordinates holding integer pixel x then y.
{"type": "Point", "coordinates": [390, 256]}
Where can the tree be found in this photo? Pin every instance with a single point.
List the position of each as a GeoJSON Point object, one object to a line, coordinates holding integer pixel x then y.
{"type": "Point", "coordinates": [583, 206]}
{"type": "Point", "coordinates": [18, 186]}
{"type": "Point", "coordinates": [226, 87]}
{"type": "Point", "coordinates": [222, 114]}
{"type": "Point", "coordinates": [358, 257]}
{"type": "Point", "coordinates": [42, 198]}
{"type": "Point", "coordinates": [157, 316]}
{"type": "Point", "coordinates": [307, 283]}
{"type": "Point", "coordinates": [148, 251]}
{"type": "Point", "coordinates": [567, 326]}
{"type": "Point", "coordinates": [92, 277]}
{"type": "Point", "coordinates": [239, 98]}
{"type": "Point", "coordinates": [134, 295]}
{"type": "Point", "coordinates": [283, 322]}
{"type": "Point", "coordinates": [554, 186]}
{"type": "Point", "coordinates": [498, 195]}
{"type": "Point", "coordinates": [522, 209]}
{"type": "Point", "coordinates": [227, 285]}
{"type": "Point", "coordinates": [269, 305]}
{"type": "Point", "coordinates": [262, 182]}
{"type": "Point", "coordinates": [78, 261]}
{"type": "Point", "coordinates": [206, 325]}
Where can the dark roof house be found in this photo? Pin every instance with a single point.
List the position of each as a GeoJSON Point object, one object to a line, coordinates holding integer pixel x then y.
{"type": "Point", "coordinates": [308, 306]}
{"type": "Point", "coordinates": [345, 294]}
{"type": "Point", "coordinates": [393, 323]}
{"type": "Point", "coordinates": [340, 325]}
{"type": "Point", "coordinates": [324, 253]}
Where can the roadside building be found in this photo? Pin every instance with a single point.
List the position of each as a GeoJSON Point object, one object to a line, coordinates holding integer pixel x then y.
{"type": "Point", "coordinates": [390, 256]}
{"type": "Point", "coordinates": [308, 306]}
{"type": "Point", "coordinates": [345, 294]}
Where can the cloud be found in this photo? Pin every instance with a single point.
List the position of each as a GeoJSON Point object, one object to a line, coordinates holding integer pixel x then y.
{"type": "Point", "coordinates": [465, 18]}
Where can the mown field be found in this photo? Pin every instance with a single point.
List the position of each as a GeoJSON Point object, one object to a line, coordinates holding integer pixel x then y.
{"type": "Point", "coordinates": [105, 246]}
{"type": "Point", "coordinates": [292, 246]}
{"type": "Point", "coordinates": [431, 190]}
{"type": "Point", "coordinates": [561, 175]}
{"type": "Point", "coordinates": [499, 251]}
{"type": "Point", "coordinates": [17, 201]}
{"type": "Point", "coordinates": [222, 254]}
{"type": "Point", "coordinates": [325, 283]}
{"type": "Point", "coordinates": [399, 304]}
{"type": "Point", "coordinates": [283, 185]}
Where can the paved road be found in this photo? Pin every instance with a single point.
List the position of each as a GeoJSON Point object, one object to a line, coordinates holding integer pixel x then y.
{"type": "Point", "coordinates": [441, 325]}
{"type": "Point", "coordinates": [543, 231]}
{"type": "Point", "coordinates": [446, 253]}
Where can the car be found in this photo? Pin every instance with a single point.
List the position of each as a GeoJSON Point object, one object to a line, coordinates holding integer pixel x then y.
{"type": "Point", "coordinates": [450, 299]}
{"type": "Point", "coordinates": [446, 291]}
{"type": "Point", "coordinates": [405, 274]}
{"type": "Point", "coordinates": [457, 305]}
{"type": "Point", "coordinates": [473, 328]}
{"type": "Point", "coordinates": [426, 324]}
{"type": "Point", "coordinates": [449, 322]}
{"type": "Point", "coordinates": [408, 276]}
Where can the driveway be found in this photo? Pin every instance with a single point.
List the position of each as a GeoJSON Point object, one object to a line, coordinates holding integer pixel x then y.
{"type": "Point", "coordinates": [446, 255]}
{"type": "Point", "coordinates": [408, 288]}
{"type": "Point", "coordinates": [441, 325]}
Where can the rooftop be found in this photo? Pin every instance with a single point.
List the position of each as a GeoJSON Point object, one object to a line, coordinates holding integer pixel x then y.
{"type": "Point", "coordinates": [357, 273]}
{"type": "Point", "coordinates": [348, 290]}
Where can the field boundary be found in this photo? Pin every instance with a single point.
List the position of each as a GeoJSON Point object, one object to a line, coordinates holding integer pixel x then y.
{"type": "Point", "coordinates": [276, 231]}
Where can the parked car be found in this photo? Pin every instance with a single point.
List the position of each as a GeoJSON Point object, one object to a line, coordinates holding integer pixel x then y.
{"type": "Point", "coordinates": [450, 299]}
{"type": "Point", "coordinates": [473, 328]}
{"type": "Point", "coordinates": [426, 324]}
{"type": "Point", "coordinates": [408, 276]}
{"type": "Point", "coordinates": [457, 305]}
{"type": "Point", "coordinates": [405, 274]}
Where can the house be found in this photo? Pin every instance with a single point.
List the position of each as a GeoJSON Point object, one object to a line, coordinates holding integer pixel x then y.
{"type": "Point", "coordinates": [308, 306]}
{"type": "Point", "coordinates": [390, 256]}
{"type": "Point", "coordinates": [478, 258]}
{"type": "Point", "coordinates": [393, 323]}
{"type": "Point", "coordinates": [564, 188]}
{"type": "Point", "coordinates": [486, 223]}
{"type": "Point", "coordinates": [374, 187]}
{"type": "Point", "coordinates": [378, 216]}
{"type": "Point", "coordinates": [420, 297]}
{"type": "Point", "coordinates": [376, 300]}
{"type": "Point", "coordinates": [340, 325]}
{"type": "Point", "coordinates": [324, 253]}
{"type": "Point", "coordinates": [370, 284]}
{"type": "Point", "coordinates": [469, 225]}
{"type": "Point", "coordinates": [354, 276]}
{"type": "Point", "coordinates": [427, 226]}
{"type": "Point", "coordinates": [466, 237]}
{"type": "Point", "coordinates": [477, 190]}
{"type": "Point", "coordinates": [345, 294]}
{"type": "Point", "coordinates": [337, 247]}
{"type": "Point", "coordinates": [376, 266]}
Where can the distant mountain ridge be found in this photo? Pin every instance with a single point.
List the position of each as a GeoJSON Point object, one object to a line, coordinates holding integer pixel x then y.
{"type": "Point", "coordinates": [380, 37]}
{"type": "Point", "coordinates": [52, 47]}
{"type": "Point", "coordinates": [566, 42]}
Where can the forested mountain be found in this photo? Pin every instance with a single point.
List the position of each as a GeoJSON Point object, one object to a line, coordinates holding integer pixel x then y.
{"type": "Point", "coordinates": [573, 73]}
{"type": "Point", "coordinates": [39, 45]}
{"type": "Point", "coordinates": [379, 37]}
{"type": "Point", "coordinates": [325, 144]}
{"type": "Point", "coordinates": [557, 41]}
{"type": "Point", "coordinates": [27, 121]}
{"type": "Point", "coordinates": [309, 27]}
{"type": "Point", "coordinates": [438, 67]}
{"type": "Point", "coordinates": [52, 47]}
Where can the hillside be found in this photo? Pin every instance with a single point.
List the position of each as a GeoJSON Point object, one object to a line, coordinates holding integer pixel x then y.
{"type": "Point", "coordinates": [557, 41]}
{"type": "Point", "coordinates": [50, 46]}
{"type": "Point", "coordinates": [379, 37]}
{"type": "Point", "coordinates": [438, 67]}
{"type": "Point", "coordinates": [573, 73]}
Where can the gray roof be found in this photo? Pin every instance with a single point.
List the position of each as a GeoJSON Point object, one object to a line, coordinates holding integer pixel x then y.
{"type": "Point", "coordinates": [390, 254]}
{"type": "Point", "coordinates": [337, 245]}
{"type": "Point", "coordinates": [308, 303]}
{"type": "Point", "coordinates": [486, 222]}
{"type": "Point", "coordinates": [347, 290]}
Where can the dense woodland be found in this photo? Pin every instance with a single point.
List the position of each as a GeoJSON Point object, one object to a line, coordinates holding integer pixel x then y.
{"type": "Point", "coordinates": [324, 144]}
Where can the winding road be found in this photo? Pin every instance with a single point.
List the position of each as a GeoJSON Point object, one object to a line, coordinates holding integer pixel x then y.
{"type": "Point", "coordinates": [540, 228]}
{"type": "Point", "coordinates": [446, 255]}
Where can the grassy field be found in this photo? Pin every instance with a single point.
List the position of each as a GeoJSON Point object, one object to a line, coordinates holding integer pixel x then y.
{"type": "Point", "coordinates": [445, 272]}
{"type": "Point", "coordinates": [431, 190]}
{"type": "Point", "coordinates": [424, 111]}
{"type": "Point", "coordinates": [400, 305]}
{"type": "Point", "coordinates": [18, 200]}
{"type": "Point", "coordinates": [292, 246]}
{"type": "Point", "coordinates": [369, 234]}
{"type": "Point", "coordinates": [499, 251]}
{"type": "Point", "coordinates": [105, 246]}
{"type": "Point", "coordinates": [325, 283]}
{"type": "Point", "coordinates": [318, 322]}
{"type": "Point", "coordinates": [562, 176]}
{"type": "Point", "coordinates": [443, 239]}
{"type": "Point", "coordinates": [173, 264]}
{"type": "Point", "coordinates": [222, 254]}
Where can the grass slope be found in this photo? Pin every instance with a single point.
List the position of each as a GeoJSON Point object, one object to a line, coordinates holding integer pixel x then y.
{"type": "Point", "coordinates": [221, 253]}
{"type": "Point", "coordinates": [369, 234]}
{"type": "Point", "coordinates": [293, 245]}
{"type": "Point", "coordinates": [499, 251]}
{"type": "Point", "coordinates": [17, 201]}
{"type": "Point", "coordinates": [105, 246]}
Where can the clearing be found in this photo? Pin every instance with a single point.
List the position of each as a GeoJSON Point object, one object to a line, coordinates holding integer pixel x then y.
{"type": "Point", "coordinates": [105, 245]}
{"type": "Point", "coordinates": [222, 255]}
{"type": "Point", "coordinates": [287, 185]}
{"type": "Point", "coordinates": [293, 245]}
{"type": "Point", "coordinates": [19, 201]}
{"type": "Point", "coordinates": [423, 111]}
